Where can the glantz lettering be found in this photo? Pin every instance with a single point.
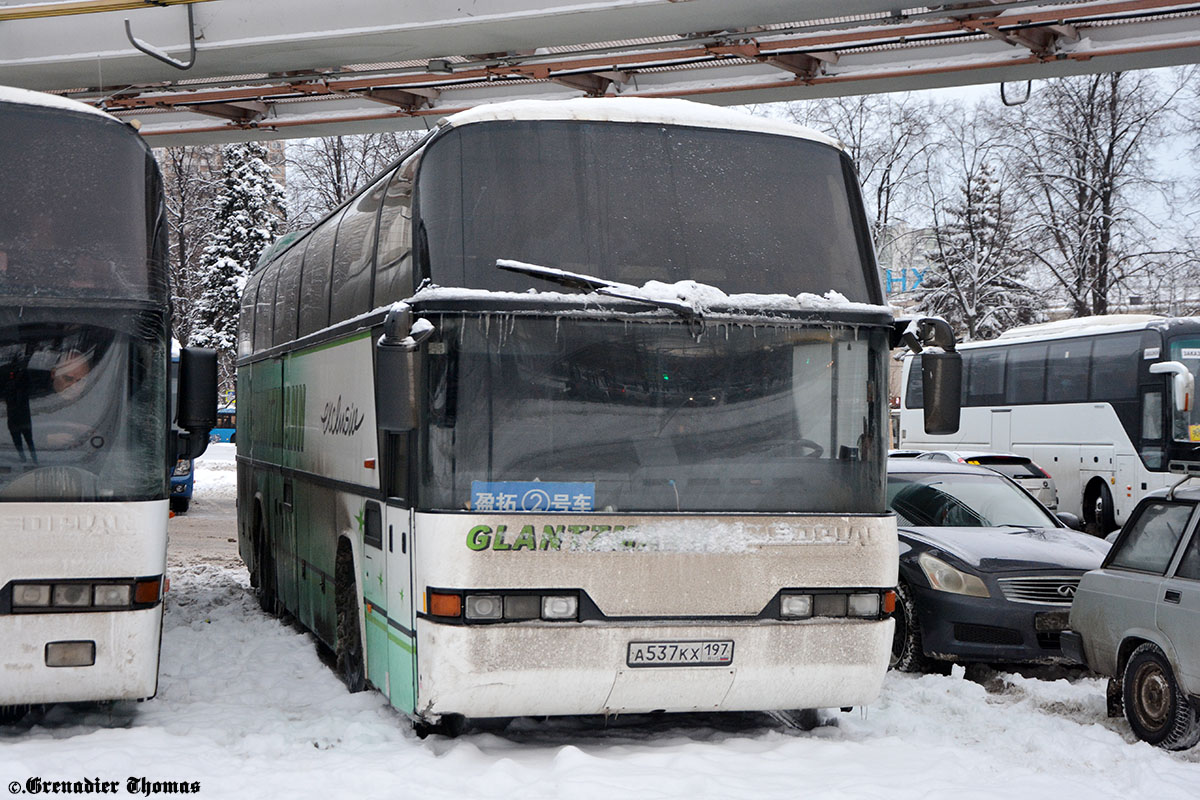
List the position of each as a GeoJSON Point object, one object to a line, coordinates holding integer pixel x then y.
{"type": "Point", "coordinates": [341, 421]}
{"type": "Point", "coordinates": [550, 537]}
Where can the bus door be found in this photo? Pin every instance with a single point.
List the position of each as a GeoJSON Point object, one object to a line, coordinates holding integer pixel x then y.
{"type": "Point", "coordinates": [374, 593]}
{"type": "Point", "coordinates": [402, 640]}
{"type": "Point", "coordinates": [289, 583]}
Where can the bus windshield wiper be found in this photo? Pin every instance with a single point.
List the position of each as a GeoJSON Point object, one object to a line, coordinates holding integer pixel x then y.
{"type": "Point", "coordinates": [590, 283]}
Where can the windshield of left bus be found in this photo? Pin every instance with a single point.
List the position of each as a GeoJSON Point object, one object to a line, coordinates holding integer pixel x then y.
{"type": "Point", "coordinates": [647, 417]}
{"type": "Point", "coordinates": [84, 406]}
{"type": "Point", "coordinates": [1186, 424]}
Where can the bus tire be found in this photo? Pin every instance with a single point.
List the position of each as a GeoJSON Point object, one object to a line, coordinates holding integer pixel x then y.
{"type": "Point", "coordinates": [264, 570]}
{"type": "Point", "coordinates": [11, 715]}
{"type": "Point", "coordinates": [908, 653]}
{"type": "Point", "coordinates": [1098, 509]}
{"type": "Point", "coordinates": [1157, 708]}
{"type": "Point", "coordinates": [349, 651]}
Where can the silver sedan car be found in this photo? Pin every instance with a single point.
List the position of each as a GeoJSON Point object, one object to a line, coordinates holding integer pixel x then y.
{"type": "Point", "coordinates": [1137, 620]}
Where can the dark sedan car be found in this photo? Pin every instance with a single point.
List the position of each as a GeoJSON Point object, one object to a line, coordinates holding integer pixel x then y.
{"type": "Point", "coordinates": [986, 572]}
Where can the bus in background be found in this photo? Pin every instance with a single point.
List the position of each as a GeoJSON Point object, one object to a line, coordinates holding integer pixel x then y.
{"type": "Point", "coordinates": [603, 475]}
{"type": "Point", "coordinates": [84, 374]}
{"type": "Point", "coordinates": [1103, 404]}
{"type": "Point", "coordinates": [183, 471]}
{"type": "Point", "coordinates": [226, 430]}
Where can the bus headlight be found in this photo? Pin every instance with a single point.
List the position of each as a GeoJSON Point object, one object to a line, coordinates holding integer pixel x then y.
{"type": "Point", "coordinates": [945, 578]}
{"type": "Point", "coordinates": [111, 595]}
{"type": "Point", "coordinates": [72, 595]}
{"type": "Point", "coordinates": [485, 606]}
{"type": "Point", "coordinates": [556, 606]}
{"type": "Point", "coordinates": [795, 606]}
{"type": "Point", "coordinates": [31, 595]}
{"type": "Point", "coordinates": [183, 467]}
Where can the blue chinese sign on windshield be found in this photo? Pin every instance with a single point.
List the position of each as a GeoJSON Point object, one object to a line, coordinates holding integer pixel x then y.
{"type": "Point", "coordinates": [532, 496]}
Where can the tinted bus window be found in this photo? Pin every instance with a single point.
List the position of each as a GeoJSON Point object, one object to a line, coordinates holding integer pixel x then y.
{"type": "Point", "coordinates": [393, 270]}
{"type": "Point", "coordinates": [314, 283]}
{"type": "Point", "coordinates": [1115, 362]}
{"type": "Point", "coordinates": [352, 257]}
{"type": "Point", "coordinates": [246, 319]}
{"type": "Point", "coordinates": [264, 308]}
{"type": "Point", "coordinates": [985, 381]}
{"type": "Point", "coordinates": [287, 293]}
{"type": "Point", "coordinates": [1026, 380]}
{"type": "Point", "coordinates": [1067, 370]}
{"type": "Point", "coordinates": [664, 203]}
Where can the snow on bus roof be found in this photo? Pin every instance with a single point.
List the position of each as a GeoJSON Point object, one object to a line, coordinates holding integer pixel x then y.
{"type": "Point", "coordinates": [1080, 326]}
{"type": "Point", "coordinates": [636, 109]}
{"type": "Point", "coordinates": [11, 94]}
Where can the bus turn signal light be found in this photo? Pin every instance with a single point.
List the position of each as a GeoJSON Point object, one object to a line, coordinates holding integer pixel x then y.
{"type": "Point", "coordinates": [445, 605]}
{"type": "Point", "coordinates": [889, 602]}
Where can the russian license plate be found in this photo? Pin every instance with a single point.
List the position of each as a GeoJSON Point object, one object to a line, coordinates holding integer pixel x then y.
{"type": "Point", "coordinates": [680, 654]}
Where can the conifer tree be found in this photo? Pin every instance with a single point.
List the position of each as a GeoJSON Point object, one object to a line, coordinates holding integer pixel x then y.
{"type": "Point", "coordinates": [248, 216]}
{"type": "Point", "coordinates": [977, 278]}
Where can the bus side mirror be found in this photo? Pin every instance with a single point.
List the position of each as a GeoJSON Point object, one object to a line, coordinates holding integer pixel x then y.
{"type": "Point", "coordinates": [197, 399]}
{"type": "Point", "coordinates": [396, 402]}
{"type": "Point", "coordinates": [1183, 382]}
{"type": "Point", "coordinates": [941, 374]}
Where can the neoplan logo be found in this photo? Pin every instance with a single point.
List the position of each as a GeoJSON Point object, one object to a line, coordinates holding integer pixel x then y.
{"type": "Point", "coordinates": [340, 421]}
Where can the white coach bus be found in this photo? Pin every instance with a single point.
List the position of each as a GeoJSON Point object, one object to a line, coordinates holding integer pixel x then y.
{"type": "Point", "coordinates": [1101, 403]}
{"type": "Point", "coordinates": [503, 496]}
{"type": "Point", "coordinates": [87, 443]}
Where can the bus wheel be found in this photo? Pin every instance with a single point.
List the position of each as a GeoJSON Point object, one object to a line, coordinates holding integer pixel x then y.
{"type": "Point", "coordinates": [448, 725]}
{"type": "Point", "coordinates": [11, 715]}
{"type": "Point", "coordinates": [1098, 509]}
{"type": "Point", "coordinates": [1155, 705]}
{"type": "Point", "coordinates": [349, 639]}
{"type": "Point", "coordinates": [908, 654]}
{"type": "Point", "coordinates": [264, 569]}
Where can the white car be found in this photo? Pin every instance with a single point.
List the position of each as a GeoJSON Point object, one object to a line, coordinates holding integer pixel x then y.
{"type": "Point", "coordinates": [1028, 475]}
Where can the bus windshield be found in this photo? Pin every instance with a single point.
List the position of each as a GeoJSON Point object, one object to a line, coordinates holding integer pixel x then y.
{"type": "Point", "coordinates": [752, 418]}
{"type": "Point", "coordinates": [663, 202]}
{"type": "Point", "coordinates": [83, 411]}
{"type": "Point", "coordinates": [75, 219]}
{"type": "Point", "coordinates": [1186, 427]}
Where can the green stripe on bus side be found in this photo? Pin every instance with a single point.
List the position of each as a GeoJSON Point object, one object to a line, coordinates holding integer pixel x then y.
{"type": "Point", "coordinates": [330, 345]}
{"type": "Point", "coordinates": [408, 647]}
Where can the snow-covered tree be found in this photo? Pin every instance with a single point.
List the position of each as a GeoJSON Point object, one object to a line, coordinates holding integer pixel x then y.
{"type": "Point", "coordinates": [977, 277]}
{"type": "Point", "coordinates": [248, 216]}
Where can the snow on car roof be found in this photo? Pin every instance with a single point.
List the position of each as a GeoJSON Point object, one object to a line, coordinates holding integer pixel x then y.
{"type": "Point", "coordinates": [11, 94]}
{"type": "Point", "coordinates": [636, 109]}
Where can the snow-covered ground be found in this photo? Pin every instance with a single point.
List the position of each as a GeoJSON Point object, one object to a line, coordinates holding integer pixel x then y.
{"type": "Point", "coordinates": [247, 708]}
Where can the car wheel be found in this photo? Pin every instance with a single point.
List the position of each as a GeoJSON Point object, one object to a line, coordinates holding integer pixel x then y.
{"type": "Point", "coordinates": [350, 667]}
{"type": "Point", "coordinates": [908, 653]}
{"type": "Point", "coordinates": [1157, 709]}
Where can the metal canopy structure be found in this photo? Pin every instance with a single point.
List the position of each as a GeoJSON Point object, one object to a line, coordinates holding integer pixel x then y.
{"type": "Point", "coordinates": [193, 71]}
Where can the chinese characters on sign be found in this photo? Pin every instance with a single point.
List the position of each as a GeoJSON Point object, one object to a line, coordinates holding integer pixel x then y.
{"type": "Point", "coordinates": [532, 496]}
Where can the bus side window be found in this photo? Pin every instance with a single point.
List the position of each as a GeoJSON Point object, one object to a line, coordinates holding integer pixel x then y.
{"type": "Point", "coordinates": [1115, 360]}
{"type": "Point", "coordinates": [985, 382]}
{"type": "Point", "coordinates": [264, 308]}
{"type": "Point", "coordinates": [246, 320]}
{"type": "Point", "coordinates": [1026, 378]}
{"type": "Point", "coordinates": [286, 294]}
{"type": "Point", "coordinates": [353, 255]}
{"type": "Point", "coordinates": [314, 283]}
{"type": "Point", "coordinates": [1067, 364]}
{"type": "Point", "coordinates": [393, 261]}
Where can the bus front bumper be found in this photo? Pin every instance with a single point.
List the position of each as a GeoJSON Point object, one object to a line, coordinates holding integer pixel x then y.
{"type": "Point", "coordinates": [126, 646]}
{"type": "Point", "coordinates": [546, 669]}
